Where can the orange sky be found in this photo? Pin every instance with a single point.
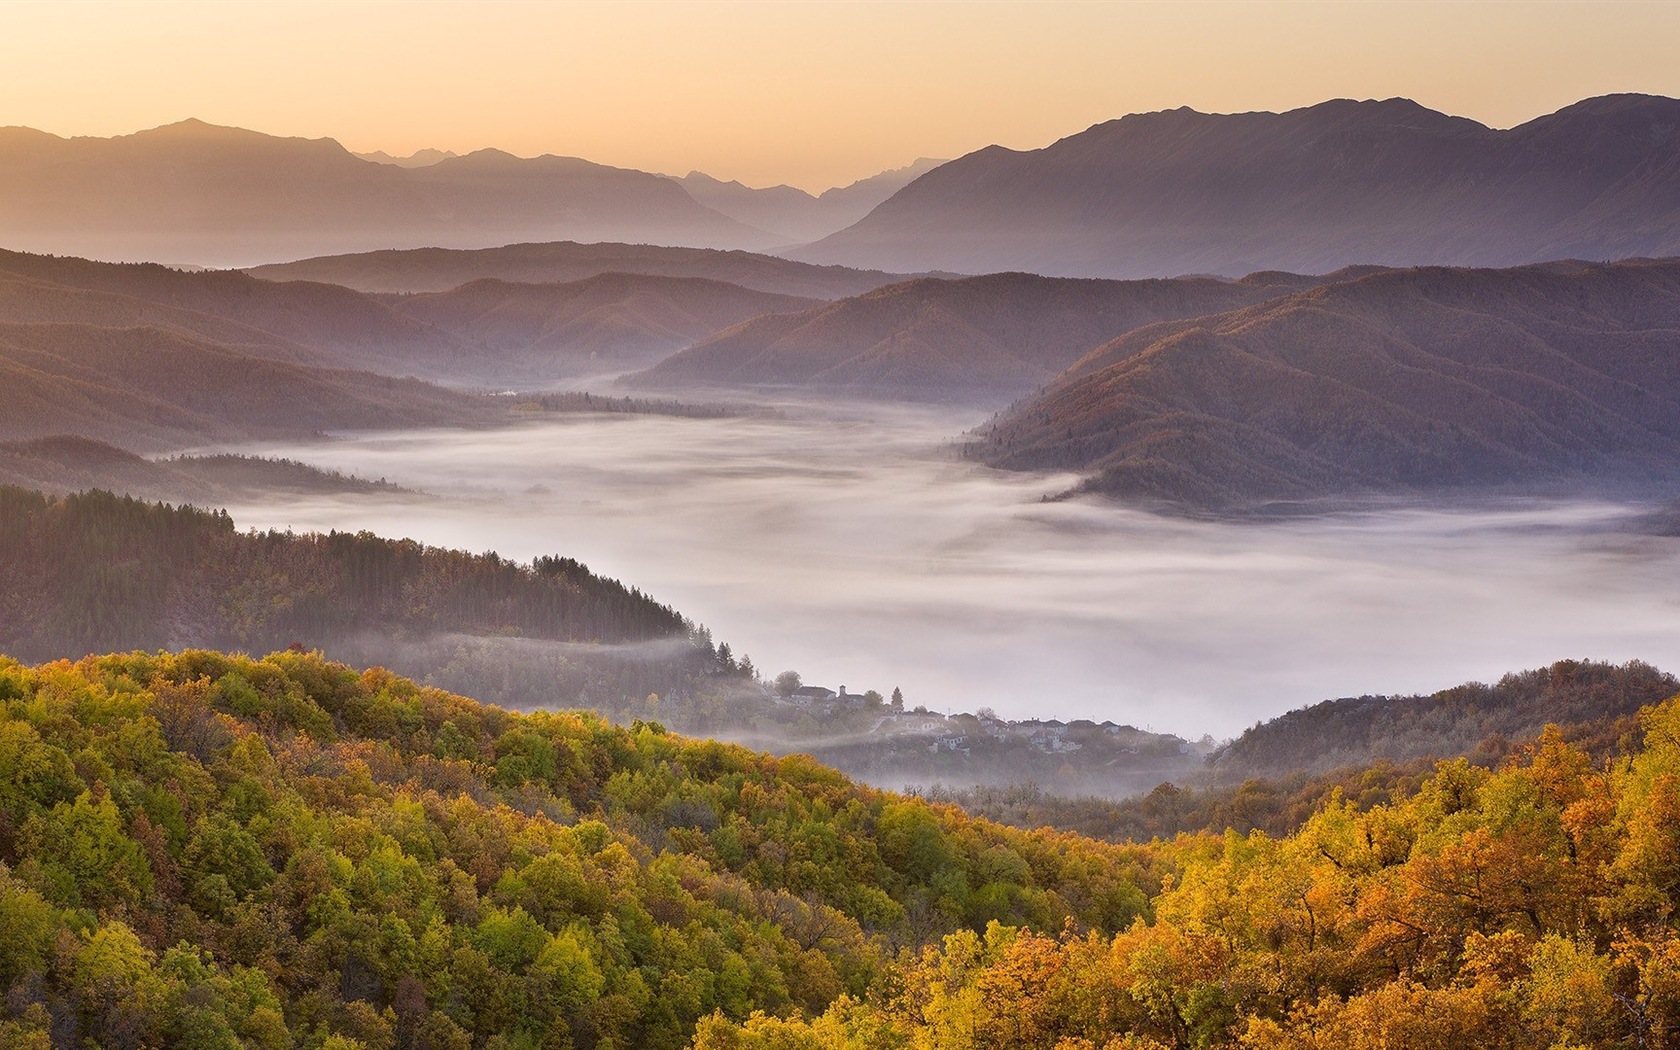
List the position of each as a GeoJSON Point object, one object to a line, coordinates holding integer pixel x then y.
{"type": "Point", "coordinates": [813, 93]}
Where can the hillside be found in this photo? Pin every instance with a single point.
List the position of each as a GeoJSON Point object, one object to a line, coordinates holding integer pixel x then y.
{"type": "Point", "coordinates": [92, 572]}
{"type": "Point", "coordinates": [201, 849]}
{"type": "Point", "coordinates": [62, 464]}
{"type": "Point", "coordinates": [196, 193]}
{"type": "Point", "coordinates": [440, 269]}
{"type": "Point", "coordinates": [1367, 730]}
{"type": "Point", "coordinates": [979, 339]}
{"type": "Point", "coordinates": [1431, 381]}
{"type": "Point", "coordinates": [1369, 751]}
{"type": "Point", "coordinates": [1527, 908]}
{"type": "Point", "coordinates": [198, 849]}
{"type": "Point", "coordinates": [1310, 191]}
{"type": "Point", "coordinates": [152, 389]}
{"type": "Point", "coordinates": [484, 333]}
{"type": "Point", "coordinates": [301, 321]}
{"type": "Point", "coordinates": [611, 322]}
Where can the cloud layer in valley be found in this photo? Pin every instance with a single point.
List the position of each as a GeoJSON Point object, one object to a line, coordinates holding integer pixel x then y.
{"type": "Point", "coordinates": [853, 545]}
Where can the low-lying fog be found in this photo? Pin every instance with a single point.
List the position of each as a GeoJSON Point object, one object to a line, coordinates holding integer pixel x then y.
{"type": "Point", "coordinates": [851, 545]}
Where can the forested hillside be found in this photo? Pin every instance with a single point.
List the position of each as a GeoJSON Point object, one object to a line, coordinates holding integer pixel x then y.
{"type": "Point", "coordinates": [93, 572]}
{"type": "Point", "coordinates": [62, 464]}
{"type": "Point", "coordinates": [207, 851]}
{"type": "Point", "coordinates": [1531, 907]}
{"type": "Point", "coordinates": [1572, 694]}
{"type": "Point", "coordinates": [983, 340]}
{"type": "Point", "coordinates": [1370, 750]}
{"type": "Point", "coordinates": [1400, 384]}
{"type": "Point", "coordinates": [200, 850]}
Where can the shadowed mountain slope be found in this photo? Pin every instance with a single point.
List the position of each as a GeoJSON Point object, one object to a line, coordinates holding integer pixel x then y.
{"type": "Point", "coordinates": [1309, 190]}
{"type": "Point", "coordinates": [486, 332]}
{"type": "Point", "coordinates": [979, 339]}
{"type": "Point", "coordinates": [194, 192]}
{"type": "Point", "coordinates": [1422, 381]}
{"type": "Point", "coordinates": [152, 388]}
{"type": "Point", "coordinates": [606, 323]}
{"type": "Point", "coordinates": [440, 269]}
{"type": "Point", "coordinates": [295, 320]}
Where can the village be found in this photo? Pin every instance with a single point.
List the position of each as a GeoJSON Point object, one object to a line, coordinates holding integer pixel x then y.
{"type": "Point", "coordinates": [883, 740]}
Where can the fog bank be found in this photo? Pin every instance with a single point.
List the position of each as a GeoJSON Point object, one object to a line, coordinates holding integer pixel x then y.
{"type": "Point", "coordinates": [850, 544]}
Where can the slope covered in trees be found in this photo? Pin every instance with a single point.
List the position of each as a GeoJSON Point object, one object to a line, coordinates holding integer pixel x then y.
{"type": "Point", "coordinates": [62, 464]}
{"type": "Point", "coordinates": [152, 388]}
{"type": "Point", "coordinates": [300, 321]}
{"type": "Point", "coordinates": [1426, 381]}
{"type": "Point", "coordinates": [199, 850]}
{"type": "Point", "coordinates": [1370, 750]}
{"type": "Point", "coordinates": [93, 572]}
{"type": "Point", "coordinates": [204, 850]}
{"type": "Point", "coordinates": [485, 332]}
{"type": "Point", "coordinates": [1527, 908]}
{"type": "Point", "coordinates": [1362, 731]}
{"type": "Point", "coordinates": [981, 339]}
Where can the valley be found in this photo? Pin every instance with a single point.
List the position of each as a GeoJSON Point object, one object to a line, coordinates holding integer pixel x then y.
{"type": "Point", "coordinates": [1207, 581]}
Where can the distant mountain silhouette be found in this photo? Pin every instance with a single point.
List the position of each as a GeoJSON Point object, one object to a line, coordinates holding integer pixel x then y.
{"type": "Point", "coordinates": [610, 322]}
{"type": "Point", "coordinates": [1309, 191]}
{"type": "Point", "coordinates": [195, 192]}
{"type": "Point", "coordinates": [981, 340]}
{"type": "Point", "coordinates": [795, 214]}
{"type": "Point", "coordinates": [1434, 380]}
{"type": "Point", "coordinates": [418, 159]}
{"type": "Point", "coordinates": [440, 269]}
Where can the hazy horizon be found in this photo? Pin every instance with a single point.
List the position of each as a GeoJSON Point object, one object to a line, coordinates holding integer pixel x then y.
{"type": "Point", "coordinates": [816, 95]}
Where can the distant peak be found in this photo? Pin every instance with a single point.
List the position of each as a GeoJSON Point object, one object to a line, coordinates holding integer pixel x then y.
{"type": "Point", "coordinates": [195, 126]}
{"type": "Point", "coordinates": [418, 159]}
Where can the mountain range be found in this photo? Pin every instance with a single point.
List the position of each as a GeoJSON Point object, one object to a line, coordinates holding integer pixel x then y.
{"type": "Point", "coordinates": [1311, 190]}
{"type": "Point", "coordinates": [1408, 382]}
{"type": "Point", "coordinates": [195, 192]}
{"type": "Point", "coordinates": [487, 332]}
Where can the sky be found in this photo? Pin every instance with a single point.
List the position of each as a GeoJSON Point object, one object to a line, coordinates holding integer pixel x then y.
{"type": "Point", "coordinates": [811, 94]}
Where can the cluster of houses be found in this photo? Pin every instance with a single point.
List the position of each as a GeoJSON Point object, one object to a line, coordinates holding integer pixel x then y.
{"type": "Point", "coordinates": [958, 734]}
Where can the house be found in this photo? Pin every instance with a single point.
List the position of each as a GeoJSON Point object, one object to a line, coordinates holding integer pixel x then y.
{"type": "Point", "coordinates": [813, 693]}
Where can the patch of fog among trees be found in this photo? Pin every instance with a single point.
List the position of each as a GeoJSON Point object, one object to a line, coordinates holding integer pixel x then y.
{"type": "Point", "coordinates": [852, 544]}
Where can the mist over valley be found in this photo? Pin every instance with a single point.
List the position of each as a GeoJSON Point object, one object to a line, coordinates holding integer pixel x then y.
{"type": "Point", "coordinates": [850, 542]}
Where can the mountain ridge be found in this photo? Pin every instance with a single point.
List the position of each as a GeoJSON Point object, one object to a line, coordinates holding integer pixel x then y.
{"type": "Point", "coordinates": [984, 340]}
{"type": "Point", "coordinates": [1309, 190]}
{"type": "Point", "coordinates": [193, 191]}
{"type": "Point", "coordinates": [1431, 380]}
